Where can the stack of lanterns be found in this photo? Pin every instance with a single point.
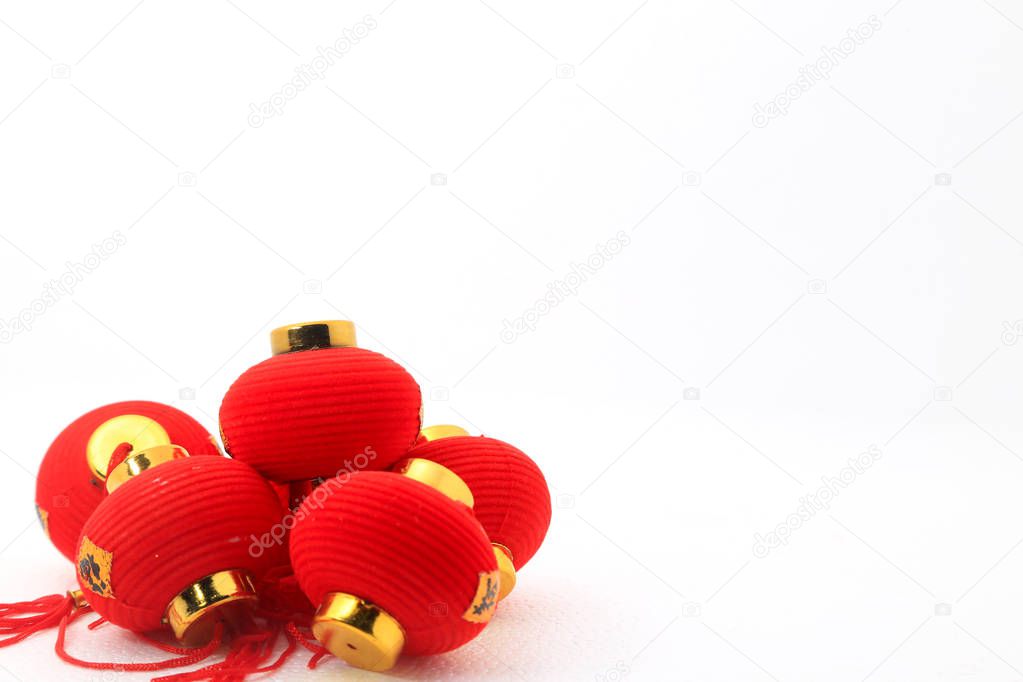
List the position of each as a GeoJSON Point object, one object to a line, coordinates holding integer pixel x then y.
{"type": "Point", "coordinates": [337, 519]}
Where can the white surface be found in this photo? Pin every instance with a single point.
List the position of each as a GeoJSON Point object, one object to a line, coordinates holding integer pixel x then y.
{"type": "Point", "coordinates": [108, 114]}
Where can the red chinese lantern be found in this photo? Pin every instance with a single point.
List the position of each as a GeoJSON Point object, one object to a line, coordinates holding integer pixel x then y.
{"type": "Point", "coordinates": [318, 404]}
{"type": "Point", "coordinates": [72, 476]}
{"type": "Point", "coordinates": [173, 547]}
{"type": "Point", "coordinates": [510, 495]}
{"type": "Point", "coordinates": [394, 567]}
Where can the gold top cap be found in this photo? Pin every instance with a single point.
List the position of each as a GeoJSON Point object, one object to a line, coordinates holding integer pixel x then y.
{"type": "Point", "coordinates": [222, 596]}
{"type": "Point", "coordinates": [438, 431]}
{"type": "Point", "coordinates": [137, 462]}
{"type": "Point", "coordinates": [438, 477]}
{"type": "Point", "coordinates": [312, 335]}
{"type": "Point", "coordinates": [359, 633]}
{"type": "Point", "coordinates": [138, 431]}
{"type": "Point", "coordinates": [505, 568]}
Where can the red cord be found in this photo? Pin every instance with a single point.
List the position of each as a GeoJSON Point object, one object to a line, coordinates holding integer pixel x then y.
{"type": "Point", "coordinates": [119, 455]}
{"type": "Point", "coordinates": [193, 657]}
{"type": "Point", "coordinates": [163, 646]}
{"type": "Point", "coordinates": [305, 640]}
{"type": "Point", "coordinates": [248, 655]}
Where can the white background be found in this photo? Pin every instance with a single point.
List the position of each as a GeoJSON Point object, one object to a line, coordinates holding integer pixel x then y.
{"type": "Point", "coordinates": [846, 277]}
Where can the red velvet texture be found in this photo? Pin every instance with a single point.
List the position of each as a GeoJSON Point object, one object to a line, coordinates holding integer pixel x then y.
{"type": "Point", "coordinates": [400, 545]}
{"type": "Point", "coordinates": [66, 490]}
{"type": "Point", "coordinates": [512, 500]}
{"type": "Point", "coordinates": [172, 525]}
{"type": "Point", "coordinates": [303, 415]}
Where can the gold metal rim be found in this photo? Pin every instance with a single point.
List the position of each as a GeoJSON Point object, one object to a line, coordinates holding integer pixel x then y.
{"type": "Point", "coordinates": [221, 596]}
{"type": "Point", "coordinates": [438, 477]}
{"type": "Point", "coordinates": [506, 569]}
{"type": "Point", "coordinates": [358, 632]}
{"type": "Point", "coordinates": [137, 462]}
{"type": "Point", "coordinates": [304, 336]}
{"type": "Point", "coordinates": [78, 597]}
{"type": "Point", "coordinates": [438, 431]}
{"type": "Point", "coordinates": [138, 431]}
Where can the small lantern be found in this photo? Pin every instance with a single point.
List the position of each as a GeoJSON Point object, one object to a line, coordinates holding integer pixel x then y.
{"type": "Point", "coordinates": [172, 547]}
{"type": "Point", "coordinates": [509, 492]}
{"type": "Point", "coordinates": [394, 567]}
{"type": "Point", "coordinates": [318, 404]}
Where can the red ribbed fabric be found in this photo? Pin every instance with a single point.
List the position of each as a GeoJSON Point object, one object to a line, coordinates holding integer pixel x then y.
{"type": "Point", "coordinates": [67, 492]}
{"type": "Point", "coordinates": [512, 500]}
{"type": "Point", "coordinates": [401, 545]}
{"type": "Point", "coordinates": [174, 524]}
{"type": "Point", "coordinates": [303, 415]}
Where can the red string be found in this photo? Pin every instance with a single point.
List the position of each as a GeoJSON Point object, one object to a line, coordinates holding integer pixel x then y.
{"type": "Point", "coordinates": [306, 641]}
{"type": "Point", "coordinates": [302, 638]}
{"type": "Point", "coordinates": [120, 454]}
{"type": "Point", "coordinates": [163, 646]}
{"type": "Point", "coordinates": [194, 655]}
{"type": "Point", "coordinates": [248, 655]}
{"type": "Point", "coordinates": [22, 619]}
{"type": "Point", "coordinates": [316, 658]}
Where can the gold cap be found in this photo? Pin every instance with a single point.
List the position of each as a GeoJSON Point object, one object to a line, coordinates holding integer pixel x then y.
{"type": "Point", "coordinates": [438, 477]}
{"type": "Point", "coordinates": [78, 597]}
{"type": "Point", "coordinates": [359, 633]}
{"type": "Point", "coordinates": [194, 613]}
{"type": "Point", "coordinates": [137, 462]}
{"type": "Point", "coordinates": [138, 431]}
{"type": "Point", "coordinates": [312, 335]}
{"type": "Point", "coordinates": [438, 431]}
{"type": "Point", "coordinates": [505, 568]}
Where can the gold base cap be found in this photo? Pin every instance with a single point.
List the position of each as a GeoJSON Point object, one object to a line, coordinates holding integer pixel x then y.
{"type": "Point", "coordinates": [506, 569]}
{"type": "Point", "coordinates": [138, 431]}
{"type": "Point", "coordinates": [438, 431]}
{"type": "Point", "coordinates": [78, 597]}
{"type": "Point", "coordinates": [222, 596]}
{"type": "Point", "coordinates": [312, 335]}
{"type": "Point", "coordinates": [137, 462]}
{"type": "Point", "coordinates": [357, 632]}
{"type": "Point", "coordinates": [438, 477]}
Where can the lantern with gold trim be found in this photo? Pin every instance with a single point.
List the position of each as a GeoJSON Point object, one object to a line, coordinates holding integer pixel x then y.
{"type": "Point", "coordinates": [72, 476]}
{"type": "Point", "coordinates": [318, 403]}
{"type": "Point", "coordinates": [511, 497]}
{"type": "Point", "coordinates": [394, 566]}
{"type": "Point", "coordinates": [172, 548]}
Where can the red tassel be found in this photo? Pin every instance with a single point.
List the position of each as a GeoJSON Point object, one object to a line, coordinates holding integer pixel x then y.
{"type": "Point", "coordinates": [248, 653]}
{"type": "Point", "coordinates": [22, 619]}
{"type": "Point", "coordinates": [193, 656]}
